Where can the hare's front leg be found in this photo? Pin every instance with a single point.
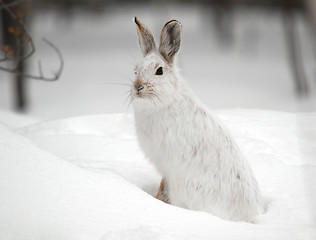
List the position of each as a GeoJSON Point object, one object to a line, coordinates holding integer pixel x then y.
{"type": "Point", "coordinates": [163, 194]}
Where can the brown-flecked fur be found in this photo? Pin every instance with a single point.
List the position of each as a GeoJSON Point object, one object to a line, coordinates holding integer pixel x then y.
{"type": "Point", "coordinates": [146, 39]}
{"type": "Point", "coordinates": [162, 191]}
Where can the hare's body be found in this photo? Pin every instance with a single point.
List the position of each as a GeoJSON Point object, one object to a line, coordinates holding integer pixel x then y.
{"type": "Point", "coordinates": [200, 162]}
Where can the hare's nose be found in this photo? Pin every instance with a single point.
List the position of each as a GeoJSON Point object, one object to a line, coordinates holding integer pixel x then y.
{"type": "Point", "coordinates": [139, 88]}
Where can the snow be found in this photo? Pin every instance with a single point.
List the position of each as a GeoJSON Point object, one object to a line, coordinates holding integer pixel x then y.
{"type": "Point", "coordinates": [86, 178]}
{"type": "Point", "coordinates": [16, 120]}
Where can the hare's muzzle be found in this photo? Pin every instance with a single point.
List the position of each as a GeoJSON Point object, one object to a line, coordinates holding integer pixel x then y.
{"type": "Point", "coordinates": [139, 87]}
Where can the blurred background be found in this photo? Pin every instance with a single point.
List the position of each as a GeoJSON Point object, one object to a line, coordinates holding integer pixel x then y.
{"type": "Point", "coordinates": [257, 54]}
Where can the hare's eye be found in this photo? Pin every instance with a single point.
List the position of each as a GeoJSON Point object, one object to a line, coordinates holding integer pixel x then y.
{"type": "Point", "coordinates": [159, 71]}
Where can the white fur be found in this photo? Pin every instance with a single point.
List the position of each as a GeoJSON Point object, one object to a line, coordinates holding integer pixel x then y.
{"type": "Point", "coordinates": [195, 153]}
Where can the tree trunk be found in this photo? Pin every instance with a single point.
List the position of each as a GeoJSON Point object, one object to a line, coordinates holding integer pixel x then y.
{"type": "Point", "coordinates": [14, 39]}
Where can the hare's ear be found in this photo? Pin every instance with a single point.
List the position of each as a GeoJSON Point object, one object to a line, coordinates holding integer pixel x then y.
{"type": "Point", "coordinates": [170, 40]}
{"type": "Point", "coordinates": [145, 38]}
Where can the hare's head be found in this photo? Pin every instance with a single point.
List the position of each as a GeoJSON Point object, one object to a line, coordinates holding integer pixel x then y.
{"type": "Point", "coordinates": [156, 82]}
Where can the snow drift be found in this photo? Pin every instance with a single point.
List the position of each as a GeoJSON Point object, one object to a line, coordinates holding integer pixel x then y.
{"type": "Point", "coordinates": [85, 178]}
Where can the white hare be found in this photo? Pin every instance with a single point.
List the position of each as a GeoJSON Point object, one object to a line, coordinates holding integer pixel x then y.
{"type": "Point", "coordinates": [202, 167]}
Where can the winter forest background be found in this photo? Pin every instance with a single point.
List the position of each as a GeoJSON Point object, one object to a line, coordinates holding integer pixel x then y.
{"type": "Point", "coordinates": [235, 54]}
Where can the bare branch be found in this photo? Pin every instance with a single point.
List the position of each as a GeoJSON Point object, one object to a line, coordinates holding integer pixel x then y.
{"type": "Point", "coordinates": [29, 44]}
{"type": "Point", "coordinates": [22, 25]}
{"type": "Point", "coordinates": [41, 77]}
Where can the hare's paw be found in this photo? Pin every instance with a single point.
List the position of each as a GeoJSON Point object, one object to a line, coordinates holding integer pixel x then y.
{"type": "Point", "coordinates": [163, 194]}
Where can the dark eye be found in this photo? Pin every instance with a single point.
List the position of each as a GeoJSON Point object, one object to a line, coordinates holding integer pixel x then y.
{"type": "Point", "coordinates": [159, 71]}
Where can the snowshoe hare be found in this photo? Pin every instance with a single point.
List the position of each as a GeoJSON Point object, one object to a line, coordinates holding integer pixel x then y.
{"type": "Point", "coordinates": [202, 167]}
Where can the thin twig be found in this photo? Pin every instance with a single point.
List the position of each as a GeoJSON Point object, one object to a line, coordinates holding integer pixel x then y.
{"type": "Point", "coordinates": [35, 77]}
{"type": "Point", "coordinates": [40, 70]}
{"type": "Point", "coordinates": [30, 43]}
{"type": "Point", "coordinates": [60, 57]}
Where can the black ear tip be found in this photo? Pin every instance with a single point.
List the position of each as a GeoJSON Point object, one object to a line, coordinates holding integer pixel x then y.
{"type": "Point", "coordinates": [173, 21]}
{"type": "Point", "coordinates": [136, 21]}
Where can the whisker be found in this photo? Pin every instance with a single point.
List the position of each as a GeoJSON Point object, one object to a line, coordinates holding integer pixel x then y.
{"type": "Point", "coordinates": [132, 98]}
{"type": "Point", "coordinates": [129, 92]}
{"type": "Point", "coordinates": [126, 60]}
{"type": "Point", "coordinates": [131, 54]}
{"type": "Point", "coordinates": [122, 84]}
{"type": "Point", "coordinates": [153, 101]}
{"type": "Point", "coordinates": [124, 76]}
{"type": "Point", "coordinates": [158, 98]}
{"type": "Point", "coordinates": [155, 84]}
{"type": "Point", "coordinates": [125, 45]}
{"type": "Point", "coordinates": [127, 98]}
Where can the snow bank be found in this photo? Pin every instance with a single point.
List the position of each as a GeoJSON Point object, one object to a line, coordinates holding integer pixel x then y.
{"type": "Point", "coordinates": [85, 178]}
{"type": "Point", "coordinates": [16, 120]}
